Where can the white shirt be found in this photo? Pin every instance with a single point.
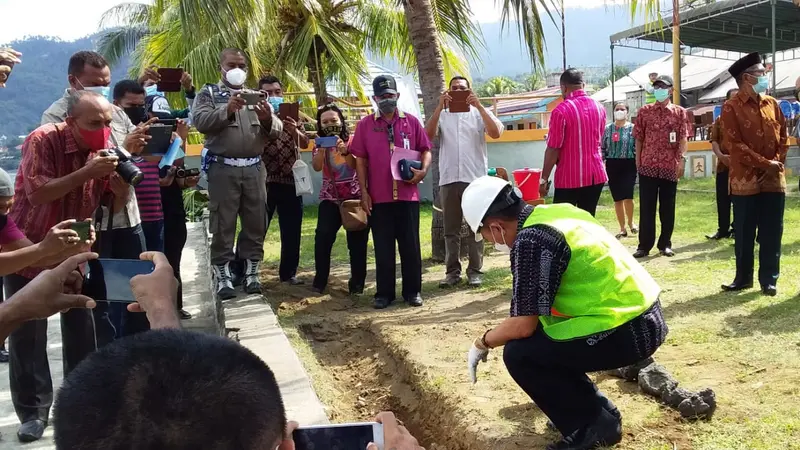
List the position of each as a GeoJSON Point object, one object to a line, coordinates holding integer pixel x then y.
{"type": "Point", "coordinates": [462, 146]}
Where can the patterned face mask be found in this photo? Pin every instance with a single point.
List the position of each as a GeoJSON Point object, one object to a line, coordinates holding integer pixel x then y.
{"type": "Point", "coordinates": [331, 130]}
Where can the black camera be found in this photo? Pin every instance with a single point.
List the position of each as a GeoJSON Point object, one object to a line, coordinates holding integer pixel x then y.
{"type": "Point", "coordinates": [125, 167]}
{"type": "Point", "coordinates": [183, 172]}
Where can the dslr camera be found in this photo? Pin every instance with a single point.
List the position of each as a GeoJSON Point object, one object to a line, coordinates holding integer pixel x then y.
{"type": "Point", "coordinates": [125, 167]}
{"type": "Point", "coordinates": [183, 172]}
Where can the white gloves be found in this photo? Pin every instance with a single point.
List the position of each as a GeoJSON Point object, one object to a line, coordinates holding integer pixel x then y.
{"type": "Point", "coordinates": [477, 353]}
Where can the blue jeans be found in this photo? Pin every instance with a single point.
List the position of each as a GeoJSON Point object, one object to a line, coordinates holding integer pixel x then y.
{"type": "Point", "coordinates": [154, 235]}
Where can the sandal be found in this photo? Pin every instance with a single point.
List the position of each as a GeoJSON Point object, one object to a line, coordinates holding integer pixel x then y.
{"type": "Point", "coordinates": [622, 234]}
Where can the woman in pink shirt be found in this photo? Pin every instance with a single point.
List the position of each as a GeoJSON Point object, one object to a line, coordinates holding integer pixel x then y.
{"type": "Point", "coordinates": [339, 183]}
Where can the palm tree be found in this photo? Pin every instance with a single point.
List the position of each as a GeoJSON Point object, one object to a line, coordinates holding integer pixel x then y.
{"type": "Point", "coordinates": [533, 81]}
{"type": "Point", "coordinates": [499, 86]}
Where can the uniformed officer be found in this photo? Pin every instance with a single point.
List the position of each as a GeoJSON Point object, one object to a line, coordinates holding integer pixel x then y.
{"type": "Point", "coordinates": [580, 303]}
{"type": "Point", "coordinates": [235, 137]}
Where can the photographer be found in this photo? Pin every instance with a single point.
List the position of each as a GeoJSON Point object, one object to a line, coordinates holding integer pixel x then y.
{"type": "Point", "coordinates": [63, 175]}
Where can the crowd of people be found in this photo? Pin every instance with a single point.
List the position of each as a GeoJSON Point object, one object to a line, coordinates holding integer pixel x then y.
{"type": "Point", "coordinates": [568, 270]}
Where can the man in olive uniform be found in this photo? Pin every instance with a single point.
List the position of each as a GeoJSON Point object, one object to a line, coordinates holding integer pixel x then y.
{"type": "Point", "coordinates": [235, 137]}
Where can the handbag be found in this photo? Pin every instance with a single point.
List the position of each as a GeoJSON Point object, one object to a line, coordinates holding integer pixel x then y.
{"type": "Point", "coordinates": [302, 177]}
{"type": "Point", "coordinates": [354, 218]}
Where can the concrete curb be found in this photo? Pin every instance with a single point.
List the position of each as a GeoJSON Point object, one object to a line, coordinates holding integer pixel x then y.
{"type": "Point", "coordinates": [249, 319]}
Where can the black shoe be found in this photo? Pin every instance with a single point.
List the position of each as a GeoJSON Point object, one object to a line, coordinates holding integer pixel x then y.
{"type": "Point", "coordinates": [356, 290]}
{"type": "Point", "coordinates": [294, 281]}
{"type": "Point", "coordinates": [667, 252]}
{"type": "Point", "coordinates": [610, 408]}
{"type": "Point", "coordinates": [449, 282]}
{"type": "Point", "coordinates": [381, 302]}
{"type": "Point", "coordinates": [252, 287]}
{"type": "Point", "coordinates": [769, 290]}
{"type": "Point", "coordinates": [737, 286]}
{"type": "Point", "coordinates": [641, 254]}
{"type": "Point", "coordinates": [415, 300]}
{"type": "Point", "coordinates": [31, 430]}
{"type": "Point", "coordinates": [718, 235]}
{"type": "Point", "coordinates": [226, 293]}
{"type": "Point", "coordinates": [184, 315]}
{"type": "Point", "coordinates": [3, 355]}
{"type": "Point", "coordinates": [606, 431]}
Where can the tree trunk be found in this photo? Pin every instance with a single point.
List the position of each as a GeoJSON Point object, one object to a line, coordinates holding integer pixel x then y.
{"type": "Point", "coordinates": [425, 40]}
{"type": "Point", "coordinates": [315, 75]}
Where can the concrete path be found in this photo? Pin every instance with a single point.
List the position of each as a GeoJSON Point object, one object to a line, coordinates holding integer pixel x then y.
{"type": "Point", "coordinates": [198, 301]}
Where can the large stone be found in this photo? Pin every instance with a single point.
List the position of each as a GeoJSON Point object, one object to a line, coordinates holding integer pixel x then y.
{"type": "Point", "coordinates": [700, 406]}
{"type": "Point", "coordinates": [655, 379]}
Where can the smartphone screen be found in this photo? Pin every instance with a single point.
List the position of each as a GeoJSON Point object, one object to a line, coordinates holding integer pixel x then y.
{"type": "Point", "coordinates": [110, 279]}
{"type": "Point", "coordinates": [82, 228]}
{"type": "Point", "coordinates": [339, 437]}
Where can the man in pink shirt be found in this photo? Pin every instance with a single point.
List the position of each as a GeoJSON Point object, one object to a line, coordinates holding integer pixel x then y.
{"type": "Point", "coordinates": [573, 146]}
{"type": "Point", "coordinates": [393, 205]}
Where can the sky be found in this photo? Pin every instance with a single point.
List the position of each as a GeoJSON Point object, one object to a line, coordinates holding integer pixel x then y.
{"type": "Point", "coordinates": [73, 19]}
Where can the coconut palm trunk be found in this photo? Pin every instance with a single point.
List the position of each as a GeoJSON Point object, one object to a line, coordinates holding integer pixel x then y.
{"type": "Point", "coordinates": [425, 41]}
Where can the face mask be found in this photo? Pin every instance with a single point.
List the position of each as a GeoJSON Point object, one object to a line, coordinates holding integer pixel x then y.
{"type": "Point", "coordinates": [331, 130]}
{"type": "Point", "coordinates": [137, 114]}
{"type": "Point", "coordinates": [275, 102]}
{"type": "Point", "coordinates": [236, 77]}
{"type": "Point", "coordinates": [761, 86]}
{"type": "Point", "coordinates": [152, 90]}
{"type": "Point", "coordinates": [387, 105]}
{"type": "Point", "coordinates": [661, 94]}
{"type": "Point", "coordinates": [95, 139]}
{"type": "Point", "coordinates": [502, 248]}
{"type": "Point", "coordinates": [620, 115]}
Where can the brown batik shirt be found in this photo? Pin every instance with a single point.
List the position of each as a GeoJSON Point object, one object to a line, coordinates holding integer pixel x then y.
{"type": "Point", "coordinates": [716, 135]}
{"type": "Point", "coordinates": [279, 157]}
{"type": "Point", "coordinates": [754, 131]}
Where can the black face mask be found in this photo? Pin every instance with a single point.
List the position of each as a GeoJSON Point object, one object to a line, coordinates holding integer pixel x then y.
{"type": "Point", "coordinates": [137, 114]}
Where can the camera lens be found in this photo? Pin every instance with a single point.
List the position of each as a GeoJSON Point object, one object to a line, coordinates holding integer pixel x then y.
{"type": "Point", "coordinates": [128, 170]}
{"type": "Point", "coordinates": [180, 173]}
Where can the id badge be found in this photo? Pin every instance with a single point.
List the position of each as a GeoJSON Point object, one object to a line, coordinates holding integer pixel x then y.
{"type": "Point", "coordinates": [615, 137]}
{"type": "Point", "coordinates": [673, 137]}
{"type": "Point", "coordinates": [406, 143]}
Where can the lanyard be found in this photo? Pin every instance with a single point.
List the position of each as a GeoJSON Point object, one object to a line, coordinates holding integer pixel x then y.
{"type": "Point", "coordinates": [390, 132]}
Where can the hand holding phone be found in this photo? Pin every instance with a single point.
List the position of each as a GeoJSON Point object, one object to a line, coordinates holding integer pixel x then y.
{"type": "Point", "coordinates": [110, 279]}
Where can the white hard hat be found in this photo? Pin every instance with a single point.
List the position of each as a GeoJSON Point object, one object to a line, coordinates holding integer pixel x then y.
{"type": "Point", "coordinates": [477, 199]}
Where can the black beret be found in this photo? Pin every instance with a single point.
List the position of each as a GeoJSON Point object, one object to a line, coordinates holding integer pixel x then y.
{"type": "Point", "coordinates": [744, 63]}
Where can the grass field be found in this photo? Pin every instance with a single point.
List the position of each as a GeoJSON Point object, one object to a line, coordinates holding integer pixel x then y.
{"type": "Point", "coordinates": [745, 346]}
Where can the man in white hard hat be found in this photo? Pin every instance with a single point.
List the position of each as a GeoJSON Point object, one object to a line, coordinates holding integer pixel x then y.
{"type": "Point", "coordinates": [580, 303]}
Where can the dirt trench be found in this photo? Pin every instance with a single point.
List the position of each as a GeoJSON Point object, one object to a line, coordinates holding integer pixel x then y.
{"type": "Point", "coordinates": [374, 377]}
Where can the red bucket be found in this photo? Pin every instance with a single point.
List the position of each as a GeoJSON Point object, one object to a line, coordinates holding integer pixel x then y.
{"type": "Point", "coordinates": [527, 181]}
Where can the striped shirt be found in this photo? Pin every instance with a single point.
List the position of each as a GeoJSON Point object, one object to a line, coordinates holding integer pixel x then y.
{"type": "Point", "coordinates": [576, 128]}
{"type": "Point", "coordinates": [148, 192]}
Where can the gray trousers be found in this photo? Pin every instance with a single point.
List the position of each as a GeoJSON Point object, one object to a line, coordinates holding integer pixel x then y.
{"type": "Point", "coordinates": [237, 193]}
{"type": "Point", "coordinates": [450, 196]}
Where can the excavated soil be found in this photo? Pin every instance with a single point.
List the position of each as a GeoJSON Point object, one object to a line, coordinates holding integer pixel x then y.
{"type": "Point", "coordinates": [413, 361]}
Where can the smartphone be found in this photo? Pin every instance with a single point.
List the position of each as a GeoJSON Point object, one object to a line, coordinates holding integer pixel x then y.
{"type": "Point", "coordinates": [82, 228]}
{"type": "Point", "coordinates": [347, 436]}
{"type": "Point", "coordinates": [292, 110]}
{"type": "Point", "coordinates": [458, 102]}
{"type": "Point", "coordinates": [253, 97]}
{"type": "Point", "coordinates": [109, 280]}
{"type": "Point", "coordinates": [170, 79]}
{"type": "Point", "coordinates": [327, 142]}
{"type": "Point", "coordinates": [169, 122]}
{"type": "Point", "coordinates": [161, 135]}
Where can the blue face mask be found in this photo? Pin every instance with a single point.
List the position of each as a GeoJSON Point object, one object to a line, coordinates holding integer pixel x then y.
{"type": "Point", "coordinates": [761, 86]}
{"type": "Point", "coordinates": [275, 102]}
{"type": "Point", "coordinates": [105, 91]}
{"type": "Point", "coordinates": [661, 94]}
{"type": "Point", "coordinates": [152, 90]}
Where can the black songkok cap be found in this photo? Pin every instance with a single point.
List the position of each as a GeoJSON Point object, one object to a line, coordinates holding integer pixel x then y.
{"type": "Point", "coordinates": [743, 64]}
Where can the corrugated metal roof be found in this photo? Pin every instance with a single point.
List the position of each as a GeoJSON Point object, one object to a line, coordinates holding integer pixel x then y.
{"type": "Point", "coordinates": [786, 73]}
{"type": "Point", "coordinates": [734, 25]}
{"type": "Point", "coordinates": [510, 106]}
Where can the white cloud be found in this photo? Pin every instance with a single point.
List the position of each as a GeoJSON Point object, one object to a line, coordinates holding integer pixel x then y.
{"type": "Point", "coordinates": [487, 11]}
{"type": "Point", "coordinates": [66, 19]}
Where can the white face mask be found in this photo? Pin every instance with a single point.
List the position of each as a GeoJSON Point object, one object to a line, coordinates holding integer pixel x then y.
{"type": "Point", "coordinates": [620, 115]}
{"type": "Point", "coordinates": [502, 248]}
{"type": "Point", "coordinates": [236, 77]}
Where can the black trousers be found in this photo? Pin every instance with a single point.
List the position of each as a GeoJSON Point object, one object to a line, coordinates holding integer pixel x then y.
{"type": "Point", "coordinates": [553, 373]}
{"type": "Point", "coordinates": [585, 198]}
{"type": "Point", "coordinates": [29, 369]}
{"type": "Point", "coordinates": [656, 192]}
{"type": "Point", "coordinates": [762, 212]}
{"type": "Point", "coordinates": [396, 222]}
{"type": "Point", "coordinates": [328, 223]}
{"type": "Point", "coordinates": [723, 203]}
{"type": "Point", "coordinates": [175, 235]}
{"type": "Point", "coordinates": [283, 199]}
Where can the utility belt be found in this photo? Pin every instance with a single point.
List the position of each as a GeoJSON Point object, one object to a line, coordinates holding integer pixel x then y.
{"type": "Point", "coordinates": [235, 162]}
